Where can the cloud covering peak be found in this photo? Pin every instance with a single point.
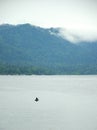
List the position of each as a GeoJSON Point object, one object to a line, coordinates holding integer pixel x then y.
{"type": "Point", "coordinates": [77, 36]}
{"type": "Point", "coordinates": [78, 17]}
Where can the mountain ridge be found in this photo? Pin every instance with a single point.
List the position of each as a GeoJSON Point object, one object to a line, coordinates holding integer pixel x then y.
{"type": "Point", "coordinates": [30, 46]}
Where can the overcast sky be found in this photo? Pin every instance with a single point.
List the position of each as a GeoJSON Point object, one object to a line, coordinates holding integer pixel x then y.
{"type": "Point", "coordinates": [78, 17]}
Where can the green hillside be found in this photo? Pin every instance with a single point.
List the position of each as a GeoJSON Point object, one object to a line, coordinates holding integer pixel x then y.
{"type": "Point", "coordinates": [27, 49]}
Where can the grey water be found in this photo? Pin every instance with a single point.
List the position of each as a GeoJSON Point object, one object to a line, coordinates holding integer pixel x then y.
{"type": "Point", "coordinates": [65, 103]}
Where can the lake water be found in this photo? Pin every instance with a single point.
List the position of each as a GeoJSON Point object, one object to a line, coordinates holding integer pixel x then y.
{"type": "Point", "coordinates": [65, 103]}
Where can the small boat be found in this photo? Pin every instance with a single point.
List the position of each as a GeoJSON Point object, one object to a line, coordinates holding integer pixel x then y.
{"type": "Point", "coordinates": [36, 99]}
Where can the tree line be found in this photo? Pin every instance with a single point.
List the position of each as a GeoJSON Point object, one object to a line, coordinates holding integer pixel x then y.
{"type": "Point", "coordinates": [7, 69]}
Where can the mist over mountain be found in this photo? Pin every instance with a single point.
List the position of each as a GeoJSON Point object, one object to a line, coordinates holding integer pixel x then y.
{"type": "Point", "coordinates": [27, 49]}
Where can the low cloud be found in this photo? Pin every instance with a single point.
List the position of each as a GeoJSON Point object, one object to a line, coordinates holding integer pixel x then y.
{"type": "Point", "coordinates": [77, 36]}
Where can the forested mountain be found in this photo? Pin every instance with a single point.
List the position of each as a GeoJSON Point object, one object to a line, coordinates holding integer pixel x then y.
{"type": "Point", "coordinates": [27, 49]}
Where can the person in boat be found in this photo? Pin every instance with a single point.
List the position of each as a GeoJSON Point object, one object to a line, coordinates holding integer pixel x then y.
{"type": "Point", "coordinates": [36, 99]}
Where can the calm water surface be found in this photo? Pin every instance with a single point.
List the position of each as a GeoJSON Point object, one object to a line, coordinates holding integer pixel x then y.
{"type": "Point", "coordinates": [65, 103]}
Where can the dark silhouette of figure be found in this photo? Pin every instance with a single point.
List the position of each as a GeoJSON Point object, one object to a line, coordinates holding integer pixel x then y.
{"type": "Point", "coordinates": [36, 99]}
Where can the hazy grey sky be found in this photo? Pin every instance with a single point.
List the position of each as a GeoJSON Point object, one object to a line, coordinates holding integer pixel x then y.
{"type": "Point", "coordinates": [76, 16]}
